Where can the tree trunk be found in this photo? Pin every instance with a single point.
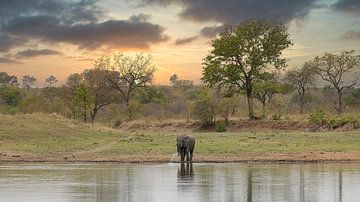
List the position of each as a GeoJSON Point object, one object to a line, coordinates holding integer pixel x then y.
{"type": "Point", "coordinates": [263, 110]}
{"type": "Point", "coordinates": [93, 113]}
{"type": "Point", "coordinates": [301, 104]}
{"type": "Point", "coordinates": [301, 100]}
{"type": "Point", "coordinates": [339, 107]}
{"type": "Point", "coordinates": [249, 98]}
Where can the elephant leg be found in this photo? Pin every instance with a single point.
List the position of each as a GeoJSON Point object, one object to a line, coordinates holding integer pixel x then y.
{"type": "Point", "coordinates": [191, 154]}
{"type": "Point", "coordinates": [187, 154]}
{"type": "Point", "coordinates": [182, 156]}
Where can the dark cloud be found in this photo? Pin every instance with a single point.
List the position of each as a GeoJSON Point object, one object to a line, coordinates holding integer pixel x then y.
{"type": "Point", "coordinates": [211, 32]}
{"type": "Point", "coordinates": [183, 41]}
{"type": "Point", "coordinates": [4, 60]}
{"type": "Point", "coordinates": [351, 35]}
{"type": "Point", "coordinates": [8, 41]}
{"type": "Point", "coordinates": [80, 23]}
{"type": "Point", "coordinates": [237, 11]}
{"type": "Point", "coordinates": [68, 11]}
{"type": "Point", "coordinates": [348, 6]}
{"type": "Point", "coordinates": [35, 53]}
{"type": "Point", "coordinates": [130, 33]}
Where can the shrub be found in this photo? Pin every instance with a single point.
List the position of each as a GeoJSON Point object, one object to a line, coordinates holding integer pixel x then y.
{"type": "Point", "coordinates": [317, 118]}
{"type": "Point", "coordinates": [204, 107]}
{"type": "Point", "coordinates": [221, 126]}
{"type": "Point", "coordinates": [276, 117]}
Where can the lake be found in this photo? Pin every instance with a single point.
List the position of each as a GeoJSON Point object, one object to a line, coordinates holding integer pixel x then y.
{"type": "Point", "coordinates": [179, 182]}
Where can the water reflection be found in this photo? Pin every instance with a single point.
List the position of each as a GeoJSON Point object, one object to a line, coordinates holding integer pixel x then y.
{"type": "Point", "coordinates": [185, 172]}
{"type": "Point", "coordinates": [180, 182]}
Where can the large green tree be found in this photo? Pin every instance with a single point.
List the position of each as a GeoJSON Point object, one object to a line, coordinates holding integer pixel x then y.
{"type": "Point", "coordinates": [341, 71]}
{"type": "Point", "coordinates": [242, 53]}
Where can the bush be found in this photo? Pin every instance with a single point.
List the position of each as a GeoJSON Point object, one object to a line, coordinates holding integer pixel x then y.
{"type": "Point", "coordinates": [276, 117]}
{"type": "Point", "coordinates": [221, 127]}
{"type": "Point", "coordinates": [204, 107]}
{"type": "Point", "coordinates": [337, 122]}
{"type": "Point", "coordinates": [319, 119]}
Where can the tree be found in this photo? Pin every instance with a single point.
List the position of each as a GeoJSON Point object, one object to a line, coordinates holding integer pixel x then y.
{"type": "Point", "coordinates": [335, 68]}
{"type": "Point", "coordinates": [301, 79]}
{"type": "Point", "coordinates": [7, 81]}
{"type": "Point", "coordinates": [353, 98]}
{"type": "Point", "coordinates": [204, 107]}
{"type": "Point", "coordinates": [241, 54]}
{"type": "Point", "coordinates": [173, 79]}
{"type": "Point", "coordinates": [51, 80]}
{"type": "Point", "coordinates": [184, 85]}
{"type": "Point", "coordinates": [99, 88]}
{"type": "Point", "coordinates": [128, 73]}
{"type": "Point", "coordinates": [82, 101]}
{"type": "Point", "coordinates": [72, 82]}
{"type": "Point", "coordinates": [266, 88]}
{"type": "Point", "coordinates": [151, 95]}
{"type": "Point", "coordinates": [28, 82]}
{"type": "Point", "coordinates": [10, 96]}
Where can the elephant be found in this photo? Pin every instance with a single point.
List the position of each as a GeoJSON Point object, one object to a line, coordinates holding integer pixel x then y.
{"type": "Point", "coordinates": [185, 147]}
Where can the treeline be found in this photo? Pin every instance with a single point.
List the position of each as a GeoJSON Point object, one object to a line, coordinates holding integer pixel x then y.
{"type": "Point", "coordinates": [243, 75]}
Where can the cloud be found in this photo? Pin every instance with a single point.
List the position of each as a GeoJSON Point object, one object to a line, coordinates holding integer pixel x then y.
{"type": "Point", "coordinates": [211, 32]}
{"type": "Point", "coordinates": [4, 60]}
{"type": "Point", "coordinates": [237, 11]}
{"type": "Point", "coordinates": [35, 53]}
{"type": "Point", "coordinates": [81, 23]}
{"type": "Point", "coordinates": [8, 41]}
{"type": "Point", "coordinates": [111, 33]}
{"type": "Point", "coordinates": [183, 41]}
{"type": "Point", "coordinates": [351, 35]}
{"type": "Point", "coordinates": [347, 6]}
{"type": "Point", "coordinates": [69, 11]}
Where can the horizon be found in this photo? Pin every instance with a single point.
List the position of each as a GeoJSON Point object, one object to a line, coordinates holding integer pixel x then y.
{"type": "Point", "coordinates": [40, 40]}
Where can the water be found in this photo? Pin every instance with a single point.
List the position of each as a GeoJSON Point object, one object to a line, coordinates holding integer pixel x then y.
{"type": "Point", "coordinates": [180, 182]}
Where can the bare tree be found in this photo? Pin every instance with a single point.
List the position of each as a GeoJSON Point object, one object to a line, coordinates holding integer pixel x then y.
{"type": "Point", "coordinates": [335, 68]}
{"type": "Point", "coordinates": [301, 79]}
{"type": "Point", "coordinates": [51, 80]}
{"type": "Point", "coordinates": [128, 73]}
{"type": "Point", "coordinates": [7, 81]}
{"type": "Point", "coordinates": [28, 81]}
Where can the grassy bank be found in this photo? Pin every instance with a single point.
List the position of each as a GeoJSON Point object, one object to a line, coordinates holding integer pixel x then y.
{"type": "Point", "coordinates": [41, 137]}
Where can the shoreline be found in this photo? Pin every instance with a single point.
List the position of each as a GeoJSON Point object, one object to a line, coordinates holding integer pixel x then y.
{"type": "Point", "coordinates": [270, 157]}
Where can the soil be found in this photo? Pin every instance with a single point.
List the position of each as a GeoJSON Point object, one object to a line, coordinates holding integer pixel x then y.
{"type": "Point", "coordinates": [274, 157]}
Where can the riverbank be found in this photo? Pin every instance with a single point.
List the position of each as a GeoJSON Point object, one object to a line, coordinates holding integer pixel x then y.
{"type": "Point", "coordinates": [41, 137]}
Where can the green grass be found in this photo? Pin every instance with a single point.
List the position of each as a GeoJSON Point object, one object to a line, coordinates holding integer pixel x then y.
{"type": "Point", "coordinates": [53, 136]}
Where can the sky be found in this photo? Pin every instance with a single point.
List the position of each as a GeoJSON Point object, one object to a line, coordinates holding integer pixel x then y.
{"type": "Point", "coordinates": [52, 37]}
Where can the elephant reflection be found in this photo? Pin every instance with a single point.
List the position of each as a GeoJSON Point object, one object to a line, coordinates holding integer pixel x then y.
{"type": "Point", "coordinates": [185, 171]}
{"type": "Point", "coordinates": [185, 147]}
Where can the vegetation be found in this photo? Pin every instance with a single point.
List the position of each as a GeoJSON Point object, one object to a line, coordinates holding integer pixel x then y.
{"type": "Point", "coordinates": [51, 137]}
{"type": "Point", "coordinates": [333, 69]}
{"type": "Point", "coordinates": [241, 55]}
{"type": "Point", "coordinates": [301, 79]}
